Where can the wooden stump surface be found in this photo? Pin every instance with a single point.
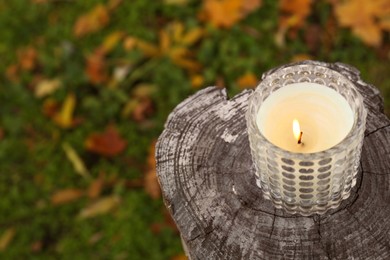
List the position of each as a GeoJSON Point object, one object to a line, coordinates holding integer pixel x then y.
{"type": "Point", "coordinates": [206, 173]}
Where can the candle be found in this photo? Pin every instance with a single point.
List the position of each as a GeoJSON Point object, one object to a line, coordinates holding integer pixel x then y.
{"type": "Point", "coordinates": [305, 127]}
{"type": "Point", "coordinates": [325, 117]}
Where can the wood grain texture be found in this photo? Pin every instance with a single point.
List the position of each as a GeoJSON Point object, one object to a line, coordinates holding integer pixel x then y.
{"type": "Point", "coordinates": [206, 174]}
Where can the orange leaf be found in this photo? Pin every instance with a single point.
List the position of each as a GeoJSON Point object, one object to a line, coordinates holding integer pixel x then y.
{"type": "Point", "coordinates": [96, 67]}
{"type": "Point", "coordinates": [248, 80]}
{"type": "Point", "coordinates": [150, 182]}
{"type": "Point", "coordinates": [27, 58]}
{"type": "Point", "coordinates": [180, 257]}
{"type": "Point", "coordinates": [294, 12]}
{"type": "Point", "coordinates": [226, 13]}
{"type": "Point", "coordinates": [249, 6]}
{"type": "Point", "coordinates": [66, 196]}
{"type": "Point", "coordinates": [222, 13]}
{"type": "Point", "coordinates": [109, 143]}
{"type": "Point", "coordinates": [96, 187]}
{"type": "Point", "coordinates": [365, 18]}
{"type": "Point", "coordinates": [91, 22]}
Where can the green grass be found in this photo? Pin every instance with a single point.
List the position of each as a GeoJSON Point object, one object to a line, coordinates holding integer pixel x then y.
{"type": "Point", "coordinates": [33, 164]}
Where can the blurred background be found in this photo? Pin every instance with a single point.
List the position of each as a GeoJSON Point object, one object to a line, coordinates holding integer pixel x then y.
{"type": "Point", "coordinates": [86, 87]}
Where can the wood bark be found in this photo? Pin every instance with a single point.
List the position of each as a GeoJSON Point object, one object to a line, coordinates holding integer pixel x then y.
{"type": "Point", "coordinates": [206, 173]}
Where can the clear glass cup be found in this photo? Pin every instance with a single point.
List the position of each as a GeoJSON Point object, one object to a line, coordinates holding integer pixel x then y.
{"type": "Point", "coordinates": [306, 183]}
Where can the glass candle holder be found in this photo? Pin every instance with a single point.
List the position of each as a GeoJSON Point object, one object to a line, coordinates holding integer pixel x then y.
{"type": "Point", "coordinates": [313, 182]}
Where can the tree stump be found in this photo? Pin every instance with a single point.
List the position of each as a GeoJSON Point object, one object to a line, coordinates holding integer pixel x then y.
{"type": "Point", "coordinates": [206, 173]}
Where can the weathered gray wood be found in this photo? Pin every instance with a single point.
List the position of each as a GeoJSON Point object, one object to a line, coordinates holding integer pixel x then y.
{"type": "Point", "coordinates": [205, 170]}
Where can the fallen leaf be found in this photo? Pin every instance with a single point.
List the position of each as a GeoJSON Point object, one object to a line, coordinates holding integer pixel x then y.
{"type": "Point", "coordinates": [91, 22]}
{"type": "Point", "coordinates": [175, 44]}
{"type": "Point", "coordinates": [129, 43]}
{"type": "Point", "coordinates": [46, 87]}
{"type": "Point", "coordinates": [27, 58]}
{"type": "Point", "coordinates": [76, 161]}
{"type": "Point", "coordinates": [365, 18]}
{"type": "Point", "coordinates": [248, 80]}
{"type": "Point", "coordinates": [293, 14]}
{"type": "Point", "coordinates": [96, 70]}
{"type": "Point", "coordinates": [95, 188]}
{"type": "Point", "coordinates": [50, 107]}
{"type": "Point", "coordinates": [6, 238]}
{"type": "Point", "coordinates": [102, 206]}
{"type": "Point", "coordinates": [111, 41]}
{"type": "Point", "coordinates": [197, 80]}
{"type": "Point", "coordinates": [64, 117]}
{"type": "Point", "coordinates": [151, 184]}
{"type": "Point", "coordinates": [179, 257]}
{"type": "Point", "coordinates": [66, 196]}
{"type": "Point", "coordinates": [226, 13]}
{"type": "Point", "coordinates": [37, 246]}
{"type": "Point", "coordinates": [109, 143]}
{"type": "Point", "coordinates": [12, 73]}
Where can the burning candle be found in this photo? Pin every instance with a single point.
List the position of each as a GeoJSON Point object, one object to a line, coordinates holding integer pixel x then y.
{"type": "Point", "coordinates": [305, 127]}
{"type": "Point", "coordinates": [324, 115]}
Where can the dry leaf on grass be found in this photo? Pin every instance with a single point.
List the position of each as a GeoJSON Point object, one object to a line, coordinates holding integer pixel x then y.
{"type": "Point", "coordinates": [109, 143]}
{"type": "Point", "coordinates": [151, 184]}
{"type": "Point", "coordinates": [367, 19]}
{"type": "Point", "coordinates": [64, 117]}
{"type": "Point", "coordinates": [76, 161]}
{"type": "Point", "coordinates": [46, 87]}
{"type": "Point", "coordinates": [91, 22]}
{"type": "Point", "coordinates": [6, 238]}
{"type": "Point", "coordinates": [226, 13]}
{"type": "Point", "coordinates": [66, 196]}
{"type": "Point", "coordinates": [95, 188]}
{"type": "Point", "coordinates": [102, 206]}
{"type": "Point", "coordinates": [96, 69]}
{"type": "Point", "coordinates": [248, 80]}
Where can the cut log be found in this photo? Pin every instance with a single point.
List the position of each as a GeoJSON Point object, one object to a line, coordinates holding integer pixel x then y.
{"type": "Point", "coordinates": [206, 173]}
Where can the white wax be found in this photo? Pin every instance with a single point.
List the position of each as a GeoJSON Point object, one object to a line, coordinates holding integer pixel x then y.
{"type": "Point", "coordinates": [325, 117]}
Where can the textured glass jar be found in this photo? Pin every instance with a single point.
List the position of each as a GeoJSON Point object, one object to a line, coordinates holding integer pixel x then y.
{"type": "Point", "coordinates": [306, 183]}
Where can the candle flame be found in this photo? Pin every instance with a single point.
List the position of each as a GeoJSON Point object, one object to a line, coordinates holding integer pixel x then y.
{"type": "Point", "coordinates": [297, 131]}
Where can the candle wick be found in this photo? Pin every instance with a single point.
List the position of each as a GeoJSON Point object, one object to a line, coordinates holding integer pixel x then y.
{"type": "Point", "coordinates": [300, 138]}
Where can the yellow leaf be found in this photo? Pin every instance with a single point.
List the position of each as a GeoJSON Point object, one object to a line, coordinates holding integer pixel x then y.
{"type": "Point", "coordinates": [248, 80]}
{"type": "Point", "coordinates": [76, 161]}
{"type": "Point", "coordinates": [6, 238]}
{"type": "Point", "coordinates": [148, 49]}
{"type": "Point", "coordinates": [47, 87]}
{"type": "Point", "coordinates": [301, 57]}
{"type": "Point", "coordinates": [102, 206]}
{"type": "Point", "coordinates": [192, 36]}
{"type": "Point", "coordinates": [92, 22]}
{"type": "Point", "coordinates": [65, 196]}
{"type": "Point", "coordinates": [164, 42]}
{"type": "Point", "coordinates": [197, 81]}
{"type": "Point", "coordinates": [129, 43]}
{"type": "Point", "coordinates": [112, 40]}
{"type": "Point", "coordinates": [188, 64]}
{"type": "Point", "coordinates": [177, 31]}
{"type": "Point", "coordinates": [64, 118]}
